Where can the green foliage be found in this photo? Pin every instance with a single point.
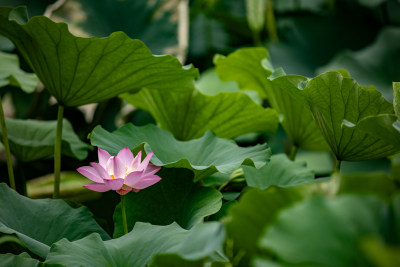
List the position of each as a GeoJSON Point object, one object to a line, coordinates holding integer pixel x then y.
{"type": "Point", "coordinates": [204, 156]}
{"type": "Point", "coordinates": [174, 199]}
{"type": "Point", "coordinates": [280, 171]}
{"type": "Point", "coordinates": [323, 227]}
{"type": "Point", "coordinates": [338, 104]}
{"type": "Point", "coordinates": [379, 184]}
{"type": "Point", "coordinates": [200, 113]}
{"type": "Point", "coordinates": [219, 202]}
{"type": "Point", "coordinates": [256, 210]}
{"type": "Point", "coordinates": [78, 71]}
{"type": "Point", "coordinates": [23, 259]}
{"type": "Point", "coordinates": [139, 246]}
{"type": "Point", "coordinates": [288, 99]}
{"type": "Point", "coordinates": [251, 69]}
{"type": "Point", "coordinates": [40, 223]}
{"type": "Point", "coordinates": [245, 67]}
{"type": "Point", "coordinates": [10, 73]}
{"type": "Point", "coordinates": [31, 139]}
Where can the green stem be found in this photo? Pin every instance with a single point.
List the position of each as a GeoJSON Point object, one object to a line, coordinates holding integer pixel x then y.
{"type": "Point", "coordinates": [337, 166]}
{"type": "Point", "coordinates": [293, 153]}
{"type": "Point", "coordinates": [124, 214]}
{"type": "Point", "coordinates": [270, 21]}
{"type": "Point", "coordinates": [7, 147]}
{"type": "Point", "coordinates": [57, 152]}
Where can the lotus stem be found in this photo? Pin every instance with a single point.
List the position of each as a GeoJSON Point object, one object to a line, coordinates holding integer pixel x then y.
{"type": "Point", "coordinates": [337, 166]}
{"type": "Point", "coordinates": [124, 215]}
{"type": "Point", "coordinates": [57, 152]}
{"type": "Point", "coordinates": [7, 147]}
{"type": "Point", "coordinates": [293, 152]}
{"type": "Point", "coordinates": [270, 21]}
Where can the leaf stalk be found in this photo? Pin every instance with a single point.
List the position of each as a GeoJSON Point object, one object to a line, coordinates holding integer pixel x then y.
{"type": "Point", "coordinates": [7, 147]}
{"type": "Point", "coordinates": [293, 153]}
{"type": "Point", "coordinates": [124, 222]}
{"type": "Point", "coordinates": [57, 152]}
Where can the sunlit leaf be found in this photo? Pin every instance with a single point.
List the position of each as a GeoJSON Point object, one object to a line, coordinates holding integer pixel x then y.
{"type": "Point", "coordinates": [204, 156]}
{"type": "Point", "coordinates": [190, 115]}
{"type": "Point", "coordinates": [10, 73]}
{"type": "Point", "coordinates": [31, 139]}
{"type": "Point", "coordinates": [174, 199]}
{"type": "Point", "coordinates": [251, 69]}
{"type": "Point", "coordinates": [280, 171]}
{"type": "Point", "coordinates": [138, 247]}
{"type": "Point", "coordinates": [40, 223]}
{"type": "Point", "coordinates": [245, 67]}
{"type": "Point", "coordinates": [79, 71]}
{"type": "Point", "coordinates": [338, 105]}
{"type": "Point", "coordinates": [310, 232]}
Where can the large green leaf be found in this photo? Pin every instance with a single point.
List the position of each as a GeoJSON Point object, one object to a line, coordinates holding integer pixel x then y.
{"type": "Point", "coordinates": [256, 210]}
{"type": "Point", "coordinates": [174, 199]}
{"type": "Point", "coordinates": [79, 71]}
{"type": "Point", "coordinates": [204, 156]}
{"type": "Point", "coordinates": [30, 139]}
{"type": "Point", "coordinates": [40, 223]}
{"type": "Point", "coordinates": [338, 103]}
{"type": "Point", "coordinates": [190, 115]}
{"type": "Point", "coordinates": [139, 246]}
{"type": "Point", "coordinates": [280, 171]}
{"type": "Point", "coordinates": [251, 69]}
{"type": "Point", "coordinates": [312, 231]}
{"type": "Point", "coordinates": [296, 117]}
{"type": "Point", "coordinates": [10, 73]}
{"type": "Point", "coordinates": [151, 22]}
{"type": "Point", "coordinates": [385, 126]}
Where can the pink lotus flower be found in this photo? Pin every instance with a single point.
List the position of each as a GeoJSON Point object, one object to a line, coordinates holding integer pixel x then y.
{"type": "Point", "coordinates": [123, 173]}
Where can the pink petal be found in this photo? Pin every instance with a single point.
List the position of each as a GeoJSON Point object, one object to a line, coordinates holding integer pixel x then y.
{"type": "Point", "coordinates": [97, 187]}
{"type": "Point", "coordinates": [151, 169]}
{"type": "Point", "coordinates": [90, 173]}
{"type": "Point", "coordinates": [119, 169]}
{"type": "Point", "coordinates": [145, 162]}
{"type": "Point", "coordinates": [126, 156]}
{"type": "Point", "coordinates": [115, 184]}
{"type": "Point", "coordinates": [100, 170]}
{"type": "Point", "coordinates": [132, 178]}
{"type": "Point", "coordinates": [147, 181]}
{"type": "Point", "coordinates": [103, 157]}
{"type": "Point", "coordinates": [136, 161]}
{"type": "Point", "coordinates": [123, 191]}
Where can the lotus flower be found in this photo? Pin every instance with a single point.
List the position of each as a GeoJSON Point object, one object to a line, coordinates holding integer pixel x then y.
{"type": "Point", "coordinates": [122, 173]}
